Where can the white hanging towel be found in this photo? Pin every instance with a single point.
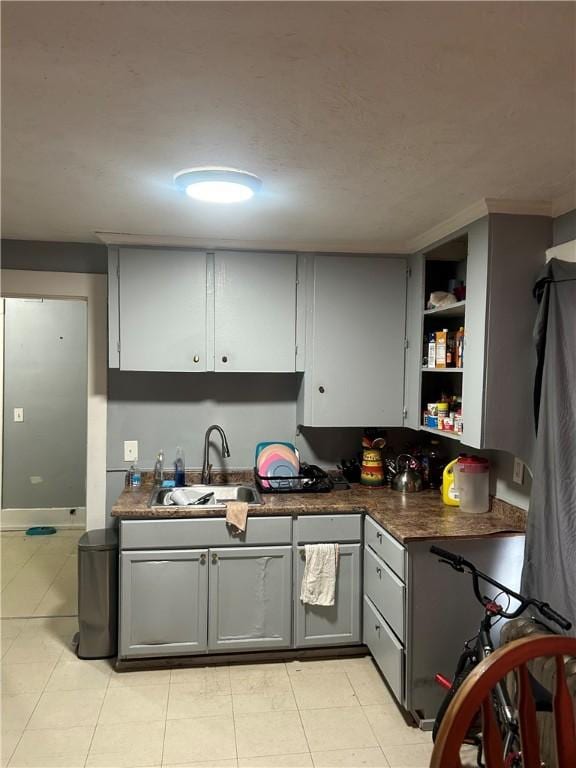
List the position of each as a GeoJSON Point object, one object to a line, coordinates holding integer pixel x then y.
{"type": "Point", "coordinates": [319, 580]}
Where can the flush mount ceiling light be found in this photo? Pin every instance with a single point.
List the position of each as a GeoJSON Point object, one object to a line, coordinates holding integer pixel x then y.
{"type": "Point", "coordinates": [218, 185]}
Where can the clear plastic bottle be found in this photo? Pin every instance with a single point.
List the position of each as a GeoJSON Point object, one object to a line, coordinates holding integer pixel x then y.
{"type": "Point", "coordinates": [179, 469]}
{"type": "Point", "coordinates": [135, 477]}
{"type": "Point", "coordinates": [159, 468]}
{"type": "Point", "coordinates": [472, 477]}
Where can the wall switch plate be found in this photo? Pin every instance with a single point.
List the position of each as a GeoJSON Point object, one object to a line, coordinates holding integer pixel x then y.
{"type": "Point", "coordinates": [130, 450]}
{"type": "Point", "coordinates": [18, 414]}
{"type": "Point", "coordinates": [518, 473]}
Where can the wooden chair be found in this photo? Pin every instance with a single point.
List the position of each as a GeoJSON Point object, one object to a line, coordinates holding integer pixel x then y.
{"type": "Point", "coordinates": [475, 695]}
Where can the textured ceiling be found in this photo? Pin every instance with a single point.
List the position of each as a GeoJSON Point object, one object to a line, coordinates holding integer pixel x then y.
{"type": "Point", "coordinates": [368, 122]}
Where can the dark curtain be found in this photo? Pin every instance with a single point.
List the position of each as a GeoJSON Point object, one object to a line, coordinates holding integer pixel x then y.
{"type": "Point", "coordinates": [549, 572]}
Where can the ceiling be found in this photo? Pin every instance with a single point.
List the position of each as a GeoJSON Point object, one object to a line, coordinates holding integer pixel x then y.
{"type": "Point", "coordinates": [369, 123]}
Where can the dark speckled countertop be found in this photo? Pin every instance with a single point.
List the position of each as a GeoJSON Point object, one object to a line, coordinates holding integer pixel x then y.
{"type": "Point", "coordinates": [408, 517]}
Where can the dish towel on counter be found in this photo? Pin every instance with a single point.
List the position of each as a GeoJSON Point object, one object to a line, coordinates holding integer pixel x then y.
{"type": "Point", "coordinates": [237, 516]}
{"type": "Point", "coordinates": [319, 580]}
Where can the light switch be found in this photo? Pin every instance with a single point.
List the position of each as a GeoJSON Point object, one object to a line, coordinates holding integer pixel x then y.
{"type": "Point", "coordinates": [130, 450]}
{"type": "Point", "coordinates": [18, 414]}
{"type": "Point", "coordinates": [518, 474]}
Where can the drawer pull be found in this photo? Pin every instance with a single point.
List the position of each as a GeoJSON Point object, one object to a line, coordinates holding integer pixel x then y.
{"type": "Point", "coordinates": [377, 628]}
{"type": "Point", "coordinates": [202, 559]}
{"type": "Point", "coordinates": [379, 536]}
{"type": "Point", "coordinates": [214, 557]}
{"type": "Point", "coordinates": [379, 572]}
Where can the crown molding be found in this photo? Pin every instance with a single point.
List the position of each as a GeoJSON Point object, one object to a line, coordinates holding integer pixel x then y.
{"type": "Point", "coordinates": [519, 207]}
{"type": "Point", "coordinates": [445, 228]}
{"type": "Point", "coordinates": [448, 226]}
{"type": "Point", "coordinates": [176, 241]}
{"type": "Point", "coordinates": [564, 204]}
{"type": "Point", "coordinates": [477, 211]}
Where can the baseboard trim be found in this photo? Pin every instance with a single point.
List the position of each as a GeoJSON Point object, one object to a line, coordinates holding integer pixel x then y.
{"type": "Point", "coordinates": [57, 517]}
{"type": "Point", "coordinates": [245, 657]}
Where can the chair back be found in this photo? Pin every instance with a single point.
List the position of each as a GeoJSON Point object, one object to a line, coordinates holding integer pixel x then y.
{"type": "Point", "coordinates": [476, 695]}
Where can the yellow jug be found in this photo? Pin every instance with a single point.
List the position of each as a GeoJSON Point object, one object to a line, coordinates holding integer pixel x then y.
{"type": "Point", "coordinates": [450, 495]}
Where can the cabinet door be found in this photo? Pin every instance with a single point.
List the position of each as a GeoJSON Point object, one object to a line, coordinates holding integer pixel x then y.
{"type": "Point", "coordinates": [163, 602]}
{"type": "Point", "coordinates": [250, 598]}
{"type": "Point", "coordinates": [388, 653]}
{"type": "Point", "coordinates": [338, 624]}
{"type": "Point", "coordinates": [357, 345]}
{"type": "Point", "coordinates": [255, 311]}
{"type": "Point", "coordinates": [162, 299]}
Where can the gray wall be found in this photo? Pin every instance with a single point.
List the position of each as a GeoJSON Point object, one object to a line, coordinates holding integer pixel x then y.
{"type": "Point", "coordinates": [54, 257]}
{"type": "Point", "coordinates": [45, 373]}
{"type": "Point", "coordinates": [164, 410]}
{"type": "Point", "coordinates": [564, 228]}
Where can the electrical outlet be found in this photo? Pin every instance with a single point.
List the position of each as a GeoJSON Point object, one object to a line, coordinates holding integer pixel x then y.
{"type": "Point", "coordinates": [18, 414]}
{"type": "Point", "coordinates": [130, 450]}
{"type": "Point", "coordinates": [518, 474]}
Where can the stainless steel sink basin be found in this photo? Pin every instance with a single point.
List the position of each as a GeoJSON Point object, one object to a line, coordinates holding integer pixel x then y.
{"type": "Point", "coordinates": [221, 494]}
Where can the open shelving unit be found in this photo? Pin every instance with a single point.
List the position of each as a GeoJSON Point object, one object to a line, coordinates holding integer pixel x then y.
{"type": "Point", "coordinates": [454, 310]}
{"type": "Point", "coordinates": [442, 265]}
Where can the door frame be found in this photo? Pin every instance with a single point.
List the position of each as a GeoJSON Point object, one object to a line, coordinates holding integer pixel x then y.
{"type": "Point", "coordinates": [92, 288]}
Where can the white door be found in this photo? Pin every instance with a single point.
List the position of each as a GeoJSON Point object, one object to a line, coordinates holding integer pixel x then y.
{"type": "Point", "coordinates": [162, 300]}
{"type": "Point", "coordinates": [358, 341]}
{"type": "Point", "coordinates": [255, 312]}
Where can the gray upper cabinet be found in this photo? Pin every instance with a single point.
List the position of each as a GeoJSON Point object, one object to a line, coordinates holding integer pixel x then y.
{"type": "Point", "coordinates": [254, 312]}
{"type": "Point", "coordinates": [250, 598]}
{"type": "Point", "coordinates": [338, 624]}
{"type": "Point", "coordinates": [163, 598]}
{"type": "Point", "coordinates": [355, 333]}
{"type": "Point", "coordinates": [504, 256]}
{"type": "Point", "coordinates": [162, 302]}
{"type": "Point", "coordinates": [177, 310]}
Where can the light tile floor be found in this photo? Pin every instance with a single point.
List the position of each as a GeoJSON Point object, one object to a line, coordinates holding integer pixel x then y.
{"type": "Point", "coordinates": [60, 711]}
{"type": "Point", "coordinates": [39, 574]}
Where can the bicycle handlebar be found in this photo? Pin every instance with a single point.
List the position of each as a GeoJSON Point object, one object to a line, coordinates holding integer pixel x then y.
{"type": "Point", "coordinates": [459, 564]}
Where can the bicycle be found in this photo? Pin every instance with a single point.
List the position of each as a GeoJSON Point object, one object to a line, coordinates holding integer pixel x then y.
{"type": "Point", "coordinates": [481, 646]}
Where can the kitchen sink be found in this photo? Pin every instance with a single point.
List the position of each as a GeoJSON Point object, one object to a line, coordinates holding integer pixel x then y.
{"type": "Point", "coordinates": [191, 494]}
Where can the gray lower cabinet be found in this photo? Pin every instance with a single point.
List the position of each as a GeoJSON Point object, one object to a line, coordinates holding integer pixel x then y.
{"type": "Point", "coordinates": [386, 649]}
{"type": "Point", "coordinates": [339, 624]}
{"type": "Point", "coordinates": [250, 598]}
{"type": "Point", "coordinates": [418, 612]}
{"type": "Point", "coordinates": [163, 602]}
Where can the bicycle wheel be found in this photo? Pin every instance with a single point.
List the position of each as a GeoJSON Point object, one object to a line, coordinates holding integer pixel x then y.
{"type": "Point", "coordinates": [466, 664]}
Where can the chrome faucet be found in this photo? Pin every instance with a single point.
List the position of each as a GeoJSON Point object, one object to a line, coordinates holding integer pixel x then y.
{"type": "Point", "coordinates": [206, 466]}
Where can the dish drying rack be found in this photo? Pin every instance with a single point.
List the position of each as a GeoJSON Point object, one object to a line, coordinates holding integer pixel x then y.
{"type": "Point", "coordinates": [311, 480]}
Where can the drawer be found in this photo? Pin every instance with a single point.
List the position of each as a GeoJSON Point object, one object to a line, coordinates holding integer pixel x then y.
{"type": "Point", "coordinates": [386, 547]}
{"type": "Point", "coordinates": [213, 532]}
{"type": "Point", "coordinates": [385, 649]}
{"type": "Point", "coordinates": [321, 529]}
{"type": "Point", "coordinates": [385, 590]}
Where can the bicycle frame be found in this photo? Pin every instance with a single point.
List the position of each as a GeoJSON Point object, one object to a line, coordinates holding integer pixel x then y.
{"type": "Point", "coordinates": [484, 646]}
{"type": "Point", "coordinates": [502, 699]}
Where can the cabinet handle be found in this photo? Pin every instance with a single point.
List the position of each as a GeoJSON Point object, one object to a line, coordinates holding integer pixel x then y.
{"type": "Point", "coordinates": [202, 559]}
{"type": "Point", "coordinates": [378, 535]}
{"type": "Point", "coordinates": [379, 572]}
{"type": "Point", "coordinates": [321, 390]}
{"type": "Point", "coordinates": [196, 358]}
{"type": "Point", "coordinates": [214, 557]}
{"type": "Point", "coordinates": [224, 358]}
{"type": "Point", "coordinates": [377, 628]}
